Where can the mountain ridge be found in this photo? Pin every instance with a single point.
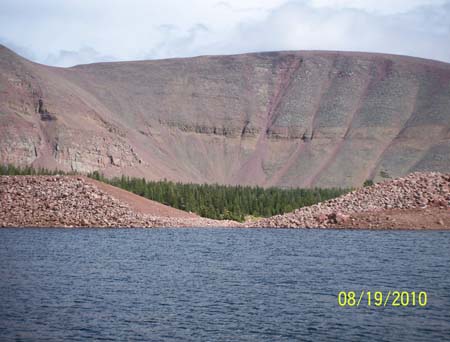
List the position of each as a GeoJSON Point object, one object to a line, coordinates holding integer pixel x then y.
{"type": "Point", "coordinates": [268, 52]}
{"type": "Point", "coordinates": [302, 118]}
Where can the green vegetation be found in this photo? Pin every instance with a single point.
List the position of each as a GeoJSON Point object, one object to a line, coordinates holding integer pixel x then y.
{"type": "Point", "coordinates": [209, 200]}
{"type": "Point", "coordinates": [368, 182]}
{"type": "Point", "coordinates": [384, 174]}
{"type": "Point", "coordinates": [11, 170]}
{"type": "Point", "coordinates": [223, 201]}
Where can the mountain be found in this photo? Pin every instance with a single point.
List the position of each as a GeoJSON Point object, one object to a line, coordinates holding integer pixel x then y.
{"type": "Point", "coordinates": [303, 118]}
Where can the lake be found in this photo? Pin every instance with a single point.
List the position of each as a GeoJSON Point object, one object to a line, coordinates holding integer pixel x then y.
{"type": "Point", "coordinates": [219, 284]}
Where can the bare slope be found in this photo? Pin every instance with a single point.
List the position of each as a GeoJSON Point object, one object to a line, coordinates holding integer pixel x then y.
{"type": "Point", "coordinates": [285, 118]}
{"type": "Point", "coordinates": [138, 203]}
{"type": "Point", "coordinates": [65, 201]}
{"type": "Point", "coordinates": [419, 200]}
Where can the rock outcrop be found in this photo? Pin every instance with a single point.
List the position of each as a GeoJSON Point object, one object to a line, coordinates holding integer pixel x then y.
{"type": "Point", "coordinates": [270, 119]}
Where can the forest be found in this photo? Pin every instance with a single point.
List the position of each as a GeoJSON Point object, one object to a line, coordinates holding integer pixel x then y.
{"type": "Point", "coordinates": [208, 200]}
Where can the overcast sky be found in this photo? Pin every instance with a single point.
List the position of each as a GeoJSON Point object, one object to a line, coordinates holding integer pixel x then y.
{"type": "Point", "coordinates": [69, 32]}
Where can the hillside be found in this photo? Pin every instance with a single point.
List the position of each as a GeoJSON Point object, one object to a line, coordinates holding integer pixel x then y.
{"type": "Point", "coordinates": [74, 201]}
{"type": "Point", "coordinates": [272, 119]}
{"type": "Point", "coordinates": [418, 201]}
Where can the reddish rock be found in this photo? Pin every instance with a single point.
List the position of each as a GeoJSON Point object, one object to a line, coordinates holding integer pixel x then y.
{"type": "Point", "coordinates": [414, 192]}
{"type": "Point", "coordinates": [322, 218]}
{"type": "Point", "coordinates": [342, 218]}
{"type": "Point", "coordinates": [272, 118]}
{"type": "Point", "coordinates": [41, 201]}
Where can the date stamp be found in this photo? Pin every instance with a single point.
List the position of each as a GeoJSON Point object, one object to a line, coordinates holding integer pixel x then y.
{"type": "Point", "coordinates": [382, 299]}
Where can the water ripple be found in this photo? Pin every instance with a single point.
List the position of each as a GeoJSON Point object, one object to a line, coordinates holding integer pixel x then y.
{"type": "Point", "coordinates": [218, 284]}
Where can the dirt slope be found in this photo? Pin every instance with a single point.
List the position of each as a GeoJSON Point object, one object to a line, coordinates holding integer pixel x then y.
{"type": "Point", "coordinates": [297, 118]}
{"type": "Point", "coordinates": [419, 218]}
{"type": "Point", "coordinates": [140, 204]}
{"type": "Point", "coordinates": [65, 201]}
{"type": "Point", "coordinates": [418, 201]}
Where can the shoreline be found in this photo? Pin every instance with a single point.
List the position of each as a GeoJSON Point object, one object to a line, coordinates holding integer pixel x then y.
{"type": "Point", "coordinates": [420, 201]}
{"type": "Point", "coordinates": [443, 229]}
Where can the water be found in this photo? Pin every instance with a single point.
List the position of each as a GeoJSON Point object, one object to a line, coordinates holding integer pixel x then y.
{"type": "Point", "coordinates": [218, 284]}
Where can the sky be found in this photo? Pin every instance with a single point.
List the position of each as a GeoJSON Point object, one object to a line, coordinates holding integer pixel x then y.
{"type": "Point", "coordinates": [70, 32]}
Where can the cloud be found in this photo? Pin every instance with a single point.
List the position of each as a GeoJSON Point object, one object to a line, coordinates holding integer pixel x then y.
{"type": "Point", "coordinates": [176, 42]}
{"type": "Point", "coordinates": [73, 32]}
{"type": "Point", "coordinates": [84, 55]}
{"type": "Point", "coordinates": [385, 7]}
{"type": "Point", "coordinates": [19, 49]}
{"type": "Point", "coordinates": [299, 26]}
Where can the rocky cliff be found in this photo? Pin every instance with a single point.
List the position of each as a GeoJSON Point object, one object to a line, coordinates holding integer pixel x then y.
{"type": "Point", "coordinates": [282, 118]}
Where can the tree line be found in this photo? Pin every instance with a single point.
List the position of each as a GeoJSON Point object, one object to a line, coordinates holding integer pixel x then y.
{"type": "Point", "coordinates": [233, 202]}
{"type": "Point", "coordinates": [208, 200]}
{"type": "Point", "coordinates": [11, 170]}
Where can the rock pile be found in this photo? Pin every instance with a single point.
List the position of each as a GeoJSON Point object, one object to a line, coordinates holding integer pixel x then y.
{"type": "Point", "coordinates": [415, 191]}
{"type": "Point", "coordinates": [64, 201]}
